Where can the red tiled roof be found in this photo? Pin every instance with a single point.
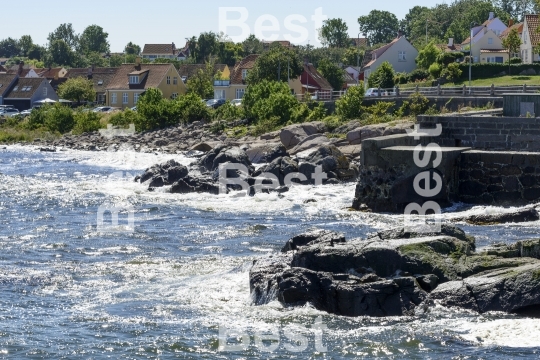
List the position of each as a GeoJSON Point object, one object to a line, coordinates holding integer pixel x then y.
{"type": "Point", "coordinates": [246, 63]}
{"type": "Point", "coordinates": [359, 42]}
{"type": "Point", "coordinates": [159, 49]}
{"type": "Point", "coordinates": [321, 81]}
{"type": "Point", "coordinates": [155, 75]}
{"type": "Point", "coordinates": [532, 24]}
{"type": "Point", "coordinates": [507, 32]}
{"type": "Point", "coordinates": [49, 73]}
{"type": "Point", "coordinates": [24, 88]}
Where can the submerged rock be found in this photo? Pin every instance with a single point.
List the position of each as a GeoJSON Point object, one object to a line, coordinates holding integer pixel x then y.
{"type": "Point", "coordinates": [518, 216]}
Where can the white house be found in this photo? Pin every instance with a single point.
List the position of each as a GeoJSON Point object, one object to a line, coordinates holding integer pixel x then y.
{"type": "Point", "coordinates": [399, 53]}
{"type": "Point", "coordinates": [530, 39]}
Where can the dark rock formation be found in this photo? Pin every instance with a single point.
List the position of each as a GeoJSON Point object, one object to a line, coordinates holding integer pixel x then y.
{"type": "Point", "coordinates": [518, 216]}
{"type": "Point", "coordinates": [163, 174]}
{"type": "Point", "coordinates": [394, 271]}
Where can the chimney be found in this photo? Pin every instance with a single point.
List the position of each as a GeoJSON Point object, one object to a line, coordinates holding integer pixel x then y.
{"type": "Point", "coordinates": [510, 22]}
{"type": "Point", "coordinates": [173, 48]}
{"type": "Point", "coordinates": [90, 72]}
{"type": "Point", "coordinates": [450, 42]}
{"type": "Point", "coordinates": [138, 61]}
{"type": "Point", "coordinates": [491, 15]}
{"type": "Point", "coordinates": [21, 66]}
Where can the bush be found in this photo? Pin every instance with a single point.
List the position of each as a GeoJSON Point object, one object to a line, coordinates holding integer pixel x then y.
{"type": "Point", "coordinates": [266, 125]}
{"type": "Point", "coordinates": [452, 72]}
{"type": "Point", "coordinates": [37, 117]}
{"type": "Point", "coordinates": [124, 118]}
{"type": "Point", "coordinates": [418, 104]}
{"type": "Point", "coordinates": [332, 122]}
{"type": "Point", "coordinates": [435, 70]}
{"type": "Point", "coordinates": [190, 107]}
{"type": "Point", "coordinates": [269, 99]}
{"type": "Point", "coordinates": [318, 112]}
{"type": "Point", "coordinates": [447, 58]}
{"type": "Point", "coordinates": [350, 104]}
{"type": "Point", "coordinates": [380, 108]}
{"type": "Point", "coordinates": [228, 111]}
{"type": "Point", "coordinates": [401, 78]}
{"type": "Point", "coordinates": [55, 118]}
{"type": "Point", "coordinates": [418, 75]}
{"type": "Point", "coordinates": [383, 77]}
{"type": "Point", "coordinates": [487, 70]}
{"type": "Point", "coordinates": [514, 60]}
{"type": "Point", "coordinates": [87, 121]}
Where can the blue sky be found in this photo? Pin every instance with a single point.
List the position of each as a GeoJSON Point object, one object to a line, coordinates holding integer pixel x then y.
{"type": "Point", "coordinates": [167, 21]}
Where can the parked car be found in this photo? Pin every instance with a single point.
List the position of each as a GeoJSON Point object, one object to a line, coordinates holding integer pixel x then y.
{"type": "Point", "coordinates": [9, 112]}
{"type": "Point", "coordinates": [237, 102]}
{"type": "Point", "coordinates": [375, 92]}
{"type": "Point", "coordinates": [26, 113]}
{"type": "Point", "coordinates": [134, 108]}
{"type": "Point", "coordinates": [215, 103]}
{"type": "Point", "coordinates": [103, 109]}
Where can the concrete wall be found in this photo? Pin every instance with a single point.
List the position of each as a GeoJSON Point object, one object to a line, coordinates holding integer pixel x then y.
{"type": "Point", "coordinates": [486, 133]}
{"type": "Point", "coordinates": [521, 105]}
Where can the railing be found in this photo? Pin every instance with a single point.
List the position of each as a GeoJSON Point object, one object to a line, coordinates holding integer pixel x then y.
{"type": "Point", "coordinates": [222, 82]}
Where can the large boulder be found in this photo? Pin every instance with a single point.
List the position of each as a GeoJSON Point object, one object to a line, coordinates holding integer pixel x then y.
{"type": "Point", "coordinates": [266, 153]}
{"type": "Point", "coordinates": [310, 142]}
{"type": "Point", "coordinates": [222, 154]}
{"type": "Point", "coordinates": [193, 184]}
{"type": "Point", "coordinates": [357, 135]}
{"type": "Point", "coordinates": [280, 167]}
{"type": "Point", "coordinates": [163, 174]}
{"type": "Point", "coordinates": [291, 135]}
{"type": "Point", "coordinates": [517, 216]}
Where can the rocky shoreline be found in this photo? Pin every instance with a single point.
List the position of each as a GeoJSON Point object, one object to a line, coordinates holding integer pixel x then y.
{"type": "Point", "coordinates": [397, 273]}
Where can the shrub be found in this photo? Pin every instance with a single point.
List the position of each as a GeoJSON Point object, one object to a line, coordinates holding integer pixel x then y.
{"type": "Point", "coordinates": [350, 104]}
{"type": "Point", "coordinates": [37, 117]}
{"type": "Point", "coordinates": [190, 107]}
{"type": "Point", "coordinates": [332, 122]}
{"type": "Point", "coordinates": [452, 72]}
{"type": "Point", "coordinates": [269, 99]}
{"type": "Point", "coordinates": [265, 126]}
{"type": "Point", "coordinates": [487, 70]}
{"type": "Point", "coordinates": [447, 58]}
{"type": "Point", "coordinates": [380, 108]}
{"type": "Point", "coordinates": [418, 75]}
{"type": "Point", "coordinates": [59, 118]}
{"type": "Point", "coordinates": [418, 104]}
{"type": "Point", "coordinates": [383, 77]}
{"type": "Point", "coordinates": [401, 78]}
{"type": "Point", "coordinates": [87, 121]}
{"type": "Point", "coordinates": [228, 111]}
{"type": "Point", "coordinates": [318, 112]}
{"type": "Point", "coordinates": [435, 70]}
{"type": "Point", "coordinates": [514, 60]}
{"type": "Point", "coordinates": [124, 118]}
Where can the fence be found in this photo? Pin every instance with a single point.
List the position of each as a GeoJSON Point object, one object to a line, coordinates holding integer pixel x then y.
{"type": "Point", "coordinates": [429, 92]}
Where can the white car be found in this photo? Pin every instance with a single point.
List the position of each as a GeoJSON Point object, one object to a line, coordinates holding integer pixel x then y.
{"type": "Point", "coordinates": [236, 102]}
{"type": "Point", "coordinates": [9, 112]}
{"type": "Point", "coordinates": [375, 92]}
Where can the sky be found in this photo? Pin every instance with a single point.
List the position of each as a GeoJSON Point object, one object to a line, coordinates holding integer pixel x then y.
{"type": "Point", "coordinates": [161, 22]}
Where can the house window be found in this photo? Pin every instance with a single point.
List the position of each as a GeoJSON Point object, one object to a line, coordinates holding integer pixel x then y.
{"type": "Point", "coordinates": [175, 80]}
{"type": "Point", "coordinates": [168, 80]}
{"type": "Point", "coordinates": [133, 79]}
{"type": "Point", "coordinates": [402, 56]}
{"type": "Point", "coordinates": [219, 94]}
{"type": "Point", "coordinates": [113, 98]}
{"type": "Point", "coordinates": [244, 74]}
{"type": "Point", "coordinates": [101, 98]}
{"type": "Point", "coordinates": [124, 98]}
{"type": "Point", "coordinates": [174, 95]}
{"type": "Point", "coordinates": [44, 91]}
{"type": "Point", "coordinates": [135, 98]}
{"type": "Point", "coordinates": [490, 41]}
{"type": "Point", "coordinates": [240, 93]}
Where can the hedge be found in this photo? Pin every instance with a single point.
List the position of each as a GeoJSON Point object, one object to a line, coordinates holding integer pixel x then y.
{"type": "Point", "coordinates": [487, 70]}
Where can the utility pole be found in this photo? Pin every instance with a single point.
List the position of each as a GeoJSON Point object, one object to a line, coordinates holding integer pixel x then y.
{"type": "Point", "coordinates": [358, 60]}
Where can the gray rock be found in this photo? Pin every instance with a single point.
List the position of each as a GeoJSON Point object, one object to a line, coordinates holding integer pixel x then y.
{"type": "Point", "coordinates": [291, 135]}
{"type": "Point", "coordinates": [266, 153]}
{"type": "Point", "coordinates": [310, 142]}
{"type": "Point", "coordinates": [313, 237]}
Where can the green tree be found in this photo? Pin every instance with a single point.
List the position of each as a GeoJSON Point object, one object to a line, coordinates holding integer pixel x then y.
{"type": "Point", "coordinates": [518, 8]}
{"type": "Point", "coordinates": [334, 33]}
{"type": "Point", "coordinates": [36, 52]}
{"type": "Point", "coordinates": [349, 106]}
{"type": "Point", "coordinates": [132, 49]}
{"type": "Point", "coordinates": [77, 89]}
{"type": "Point", "coordinates": [383, 77]}
{"type": "Point", "coordinates": [353, 56]}
{"type": "Point", "coordinates": [66, 33]}
{"type": "Point", "coordinates": [428, 55]}
{"type": "Point", "coordinates": [202, 83]}
{"type": "Point", "coordinates": [95, 59]}
{"type": "Point", "coordinates": [332, 73]}
{"type": "Point", "coordinates": [278, 63]}
{"type": "Point", "coordinates": [25, 44]}
{"type": "Point", "coordinates": [252, 45]}
{"type": "Point", "coordinates": [269, 100]}
{"type": "Point", "coordinates": [60, 54]}
{"type": "Point", "coordinates": [9, 47]}
{"type": "Point", "coordinates": [203, 47]}
{"type": "Point", "coordinates": [381, 26]}
{"type": "Point", "coordinates": [94, 39]}
{"type": "Point", "coordinates": [229, 53]}
{"type": "Point", "coordinates": [512, 43]}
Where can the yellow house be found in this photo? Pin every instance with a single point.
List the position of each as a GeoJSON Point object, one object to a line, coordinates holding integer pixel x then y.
{"type": "Point", "coordinates": [188, 70]}
{"type": "Point", "coordinates": [131, 80]}
{"type": "Point", "coordinates": [235, 87]}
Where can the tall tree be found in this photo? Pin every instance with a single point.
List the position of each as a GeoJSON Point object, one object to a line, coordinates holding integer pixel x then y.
{"type": "Point", "coordinates": [25, 44]}
{"type": "Point", "coordinates": [203, 47]}
{"type": "Point", "coordinates": [9, 47]}
{"type": "Point", "coordinates": [353, 56]}
{"type": "Point", "coordinates": [427, 56]}
{"type": "Point", "coordinates": [383, 77]}
{"type": "Point", "coordinates": [518, 8]}
{"type": "Point", "coordinates": [94, 39]}
{"type": "Point", "coordinates": [132, 48]}
{"type": "Point", "coordinates": [202, 82]}
{"type": "Point", "coordinates": [36, 52]}
{"type": "Point", "coordinates": [381, 26]}
{"type": "Point", "coordinates": [66, 33]}
{"type": "Point", "coordinates": [278, 63]}
{"type": "Point", "coordinates": [334, 33]}
{"type": "Point", "coordinates": [331, 72]}
{"type": "Point", "coordinates": [77, 89]}
{"type": "Point", "coordinates": [252, 45]}
{"type": "Point", "coordinates": [60, 54]}
{"type": "Point", "coordinates": [229, 53]}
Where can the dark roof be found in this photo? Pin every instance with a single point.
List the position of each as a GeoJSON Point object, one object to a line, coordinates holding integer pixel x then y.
{"type": "Point", "coordinates": [5, 80]}
{"type": "Point", "coordinates": [284, 43]}
{"type": "Point", "coordinates": [154, 77]}
{"type": "Point", "coordinates": [2, 69]}
{"type": "Point", "coordinates": [160, 49]}
{"type": "Point", "coordinates": [359, 42]}
{"type": "Point", "coordinates": [317, 77]}
{"type": "Point", "coordinates": [49, 73]}
{"type": "Point", "coordinates": [189, 70]}
{"type": "Point", "coordinates": [246, 63]}
{"type": "Point", "coordinates": [15, 69]}
{"type": "Point", "coordinates": [25, 88]}
{"type": "Point", "coordinates": [446, 48]}
{"type": "Point", "coordinates": [101, 77]}
{"type": "Point", "coordinates": [532, 25]}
